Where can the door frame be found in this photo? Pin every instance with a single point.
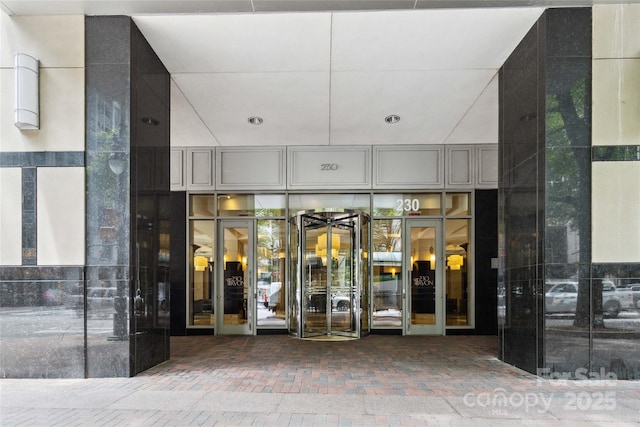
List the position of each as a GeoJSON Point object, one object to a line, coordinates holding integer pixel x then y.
{"type": "Point", "coordinates": [248, 328]}
{"type": "Point", "coordinates": [440, 310]}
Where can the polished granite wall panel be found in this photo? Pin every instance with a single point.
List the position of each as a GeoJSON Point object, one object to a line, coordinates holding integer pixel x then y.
{"type": "Point", "coordinates": [29, 219]}
{"type": "Point", "coordinates": [178, 262]}
{"type": "Point", "coordinates": [567, 184]}
{"type": "Point", "coordinates": [41, 322]}
{"type": "Point", "coordinates": [616, 346]}
{"type": "Point", "coordinates": [520, 105]}
{"type": "Point", "coordinates": [520, 204]}
{"type": "Point", "coordinates": [109, 245]}
{"type": "Point", "coordinates": [128, 198]}
{"type": "Point", "coordinates": [486, 250]}
{"type": "Point", "coordinates": [568, 32]}
{"type": "Point", "coordinates": [150, 205]}
{"type": "Point", "coordinates": [545, 222]}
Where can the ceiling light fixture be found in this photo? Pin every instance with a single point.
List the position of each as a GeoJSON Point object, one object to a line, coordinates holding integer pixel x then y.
{"type": "Point", "coordinates": [394, 118]}
{"type": "Point", "coordinates": [255, 120]}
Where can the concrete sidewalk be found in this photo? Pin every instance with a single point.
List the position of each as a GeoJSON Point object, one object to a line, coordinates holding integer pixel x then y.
{"type": "Point", "coordinates": [280, 381]}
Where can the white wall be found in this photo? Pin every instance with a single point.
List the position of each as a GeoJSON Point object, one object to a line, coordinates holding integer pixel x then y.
{"type": "Point", "coordinates": [616, 211]}
{"type": "Point", "coordinates": [58, 43]}
{"type": "Point", "coordinates": [616, 121]}
{"type": "Point", "coordinates": [61, 212]}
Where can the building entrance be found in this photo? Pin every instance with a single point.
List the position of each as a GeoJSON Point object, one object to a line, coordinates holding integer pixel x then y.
{"type": "Point", "coordinates": [330, 281]}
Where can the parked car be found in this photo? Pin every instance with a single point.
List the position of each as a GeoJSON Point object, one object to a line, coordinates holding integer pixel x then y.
{"type": "Point", "coordinates": [634, 288]}
{"type": "Point", "coordinates": [562, 297]}
{"type": "Point", "coordinates": [616, 299]}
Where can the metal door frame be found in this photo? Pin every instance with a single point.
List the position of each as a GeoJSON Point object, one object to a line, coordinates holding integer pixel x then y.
{"type": "Point", "coordinates": [440, 313]}
{"type": "Point", "coordinates": [250, 327]}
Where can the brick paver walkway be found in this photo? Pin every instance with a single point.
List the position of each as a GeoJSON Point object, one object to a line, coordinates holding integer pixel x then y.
{"type": "Point", "coordinates": [280, 381]}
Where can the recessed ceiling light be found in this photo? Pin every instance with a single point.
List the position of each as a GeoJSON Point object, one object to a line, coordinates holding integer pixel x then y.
{"type": "Point", "coordinates": [255, 120]}
{"type": "Point", "coordinates": [394, 118]}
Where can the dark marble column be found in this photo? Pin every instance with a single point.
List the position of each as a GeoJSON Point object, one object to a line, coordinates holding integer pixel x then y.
{"type": "Point", "coordinates": [545, 193]}
{"type": "Point", "coordinates": [521, 202]}
{"type": "Point", "coordinates": [567, 185]}
{"type": "Point", "coordinates": [127, 96]}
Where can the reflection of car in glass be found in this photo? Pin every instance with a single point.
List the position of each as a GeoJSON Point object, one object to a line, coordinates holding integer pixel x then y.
{"type": "Point", "coordinates": [615, 299]}
{"type": "Point", "coordinates": [96, 298]}
{"type": "Point", "coordinates": [340, 302]}
{"type": "Point", "coordinates": [562, 297]}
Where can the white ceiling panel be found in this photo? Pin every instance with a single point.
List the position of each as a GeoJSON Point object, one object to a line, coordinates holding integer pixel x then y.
{"type": "Point", "coordinates": [432, 39]}
{"type": "Point", "coordinates": [430, 104]}
{"type": "Point", "coordinates": [240, 43]}
{"type": "Point", "coordinates": [480, 124]}
{"type": "Point", "coordinates": [187, 128]}
{"type": "Point", "coordinates": [294, 106]}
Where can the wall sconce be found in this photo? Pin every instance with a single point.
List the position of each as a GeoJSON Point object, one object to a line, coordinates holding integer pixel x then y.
{"type": "Point", "coordinates": [454, 262]}
{"type": "Point", "coordinates": [27, 98]}
{"type": "Point", "coordinates": [200, 263]}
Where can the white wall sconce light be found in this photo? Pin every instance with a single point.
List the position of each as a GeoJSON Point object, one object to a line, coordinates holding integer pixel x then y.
{"type": "Point", "coordinates": [27, 99]}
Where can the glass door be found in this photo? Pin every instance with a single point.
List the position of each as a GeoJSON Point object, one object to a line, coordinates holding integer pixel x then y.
{"type": "Point", "coordinates": [331, 277]}
{"type": "Point", "coordinates": [342, 284]}
{"type": "Point", "coordinates": [314, 278]}
{"type": "Point", "coordinates": [236, 293]}
{"type": "Point", "coordinates": [424, 287]}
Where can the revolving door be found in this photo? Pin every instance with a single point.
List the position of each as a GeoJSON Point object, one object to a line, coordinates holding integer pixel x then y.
{"type": "Point", "coordinates": [329, 275]}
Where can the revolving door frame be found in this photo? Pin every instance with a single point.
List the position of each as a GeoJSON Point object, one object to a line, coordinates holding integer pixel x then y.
{"type": "Point", "coordinates": [301, 261]}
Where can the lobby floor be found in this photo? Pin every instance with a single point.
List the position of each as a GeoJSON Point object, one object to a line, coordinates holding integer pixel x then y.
{"type": "Point", "coordinates": [276, 380]}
